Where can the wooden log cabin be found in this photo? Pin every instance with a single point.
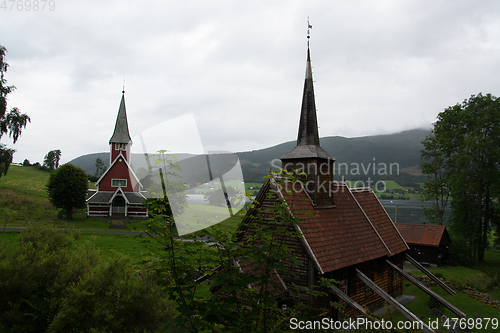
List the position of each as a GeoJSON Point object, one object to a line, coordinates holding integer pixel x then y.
{"type": "Point", "coordinates": [428, 243]}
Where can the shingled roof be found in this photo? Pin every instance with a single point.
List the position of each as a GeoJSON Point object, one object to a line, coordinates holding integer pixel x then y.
{"type": "Point", "coordinates": [423, 234]}
{"type": "Point", "coordinates": [356, 230]}
{"type": "Point", "coordinates": [121, 134]}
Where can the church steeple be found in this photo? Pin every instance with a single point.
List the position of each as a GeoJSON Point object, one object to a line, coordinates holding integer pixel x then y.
{"type": "Point", "coordinates": [308, 156]}
{"type": "Point", "coordinates": [308, 136]}
{"type": "Point", "coordinates": [120, 141]}
{"type": "Point", "coordinates": [308, 125]}
{"type": "Point", "coordinates": [121, 134]}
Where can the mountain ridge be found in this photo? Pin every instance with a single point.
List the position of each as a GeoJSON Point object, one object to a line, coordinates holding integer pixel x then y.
{"type": "Point", "coordinates": [401, 148]}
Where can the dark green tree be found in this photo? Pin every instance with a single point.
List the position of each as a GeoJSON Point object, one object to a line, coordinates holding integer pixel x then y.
{"type": "Point", "coordinates": [67, 188]}
{"type": "Point", "coordinates": [11, 122]}
{"type": "Point", "coordinates": [464, 156]}
{"type": "Point", "coordinates": [436, 188]}
{"type": "Point", "coordinates": [26, 162]}
{"type": "Point", "coordinates": [100, 167]}
{"type": "Point", "coordinates": [51, 159]}
{"type": "Point", "coordinates": [6, 157]}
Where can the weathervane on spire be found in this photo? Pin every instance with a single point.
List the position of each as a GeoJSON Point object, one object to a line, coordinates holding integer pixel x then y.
{"type": "Point", "coordinates": [123, 91]}
{"type": "Point", "coordinates": [309, 26]}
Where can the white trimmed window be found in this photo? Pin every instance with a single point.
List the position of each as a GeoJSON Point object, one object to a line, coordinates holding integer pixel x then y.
{"type": "Point", "coordinates": [120, 146]}
{"type": "Point", "coordinates": [118, 182]}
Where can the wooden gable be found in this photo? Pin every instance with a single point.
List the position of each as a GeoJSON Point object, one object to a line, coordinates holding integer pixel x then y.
{"type": "Point", "coordinates": [119, 169]}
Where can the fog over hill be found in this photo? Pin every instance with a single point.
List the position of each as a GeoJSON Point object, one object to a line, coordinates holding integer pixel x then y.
{"type": "Point", "coordinates": [355, 157]}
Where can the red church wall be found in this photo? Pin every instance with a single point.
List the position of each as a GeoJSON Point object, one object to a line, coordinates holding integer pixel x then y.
{"type": "Point", "coordinates": [98, 210]}
{"type": "Point", "coordinates": [119, 171]}
{"type": "Point", "coordinates": [115, 152]}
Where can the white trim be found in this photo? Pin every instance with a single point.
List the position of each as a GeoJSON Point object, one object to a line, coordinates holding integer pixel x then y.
{"type": "Point", "coordinates": [114, 195]}
{"type": "Point", "coordinates": [130, 170]}
{"type": "Point", "coordinates": [120, 146]}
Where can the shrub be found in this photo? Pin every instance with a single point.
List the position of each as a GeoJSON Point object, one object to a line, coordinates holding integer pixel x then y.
{"type": "Point", "coordinates": [49, 285]}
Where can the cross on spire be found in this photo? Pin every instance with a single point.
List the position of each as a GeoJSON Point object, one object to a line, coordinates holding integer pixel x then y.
{"type": "Point", "coordinates": [309, 26]}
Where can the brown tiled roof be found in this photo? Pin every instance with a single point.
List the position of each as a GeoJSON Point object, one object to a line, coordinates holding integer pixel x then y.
{"type": "Point", "coordinates": [346, 234]}
{"type": "Point", "coordinates": [423, 234]}
{"type": "Point", "coordinates": [378, 216]}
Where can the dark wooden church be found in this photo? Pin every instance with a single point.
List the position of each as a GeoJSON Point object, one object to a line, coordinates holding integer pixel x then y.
{"type": "Point", "coordinates": [118, 192]}
{"type": "Point", "coordinates": [346, 233]}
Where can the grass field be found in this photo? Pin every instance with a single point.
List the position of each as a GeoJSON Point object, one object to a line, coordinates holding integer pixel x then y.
{"type": "Point", "coordinates": [482, 277]}
{"type": "Point", "coordinates": [470, 306]}
{"type": "Point", "coordinates": [23, 197]}
{"type": "Point", "coordinates": [108, 244]}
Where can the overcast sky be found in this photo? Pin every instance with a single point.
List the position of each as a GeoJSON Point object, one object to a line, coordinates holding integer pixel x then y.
{"type": "Point", "coordinates": [238, 66]}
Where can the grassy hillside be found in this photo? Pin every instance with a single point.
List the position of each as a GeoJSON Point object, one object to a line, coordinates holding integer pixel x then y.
{"type": "Point", "coordinates": [23, 196]}
{"type": "Point", "coordinates": [23, 199]}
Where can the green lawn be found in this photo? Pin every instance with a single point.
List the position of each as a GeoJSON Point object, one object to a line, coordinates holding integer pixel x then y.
{"type": "Point", "coordinates": [482, 277]}
{"type": "Point", "coordinates": [23, 197]}
{"type": "Point", "coordinates": [469, 306]}
{"type": "Point", "coordinates": [109, 245]}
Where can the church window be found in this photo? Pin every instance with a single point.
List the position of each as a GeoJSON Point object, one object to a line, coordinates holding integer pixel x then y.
{"type": "Point", "coordinates": [120, 146]}
{"type": "Point", "coordinates": [118, 182]}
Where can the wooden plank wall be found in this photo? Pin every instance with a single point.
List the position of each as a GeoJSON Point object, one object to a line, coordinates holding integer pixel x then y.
{"type": "Point", "coordinates": [264, 216]}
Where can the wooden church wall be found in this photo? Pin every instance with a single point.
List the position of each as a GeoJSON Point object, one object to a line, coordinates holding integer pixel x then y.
{"type": "Point", "coordinates": [380, 273]}
{"type": "Point", "coordinates": [266, 216]}
{"type": "Point", "coordinates": [119, 171]}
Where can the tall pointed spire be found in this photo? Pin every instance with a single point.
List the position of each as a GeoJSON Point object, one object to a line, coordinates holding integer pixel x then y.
{"type": "Point", "coordinates": [308, 124]}
{"type": "Point", "coordinates": [121, 133]}
{"type": "Point", "coordinates": [308, 156]}
{"type": "Point", "coordinates": [308, 136]}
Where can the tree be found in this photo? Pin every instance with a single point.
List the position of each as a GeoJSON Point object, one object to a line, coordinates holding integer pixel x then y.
{"type": "Point", "coordinates": [100, 167]}
{"type": "Point", "coordinates": [464, 156]}
{"type": "Point", "coordinates": [26, 162]}
{"type": "Point", "coordinates": [436, 189]}
{"type": "Point", "coordinates": [51, 159]}
{"type": "Point", "coordinates": [67, 188]}
{"type": "Point", "coordinates": [221, 199]}
{"type": "Point", "coordinates": [11, 122]}
{"type": "Point", "coordinates": [6, 157]}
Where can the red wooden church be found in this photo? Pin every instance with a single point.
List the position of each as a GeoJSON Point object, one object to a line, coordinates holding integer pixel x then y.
{"type": "Point", "coordinates": [346, 233]}
{"type": "Point", "coordinates": [118, 192]}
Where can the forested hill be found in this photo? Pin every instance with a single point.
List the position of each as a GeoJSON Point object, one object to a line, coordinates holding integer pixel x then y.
{"type": "Point", "coordinates": [402, 148]}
